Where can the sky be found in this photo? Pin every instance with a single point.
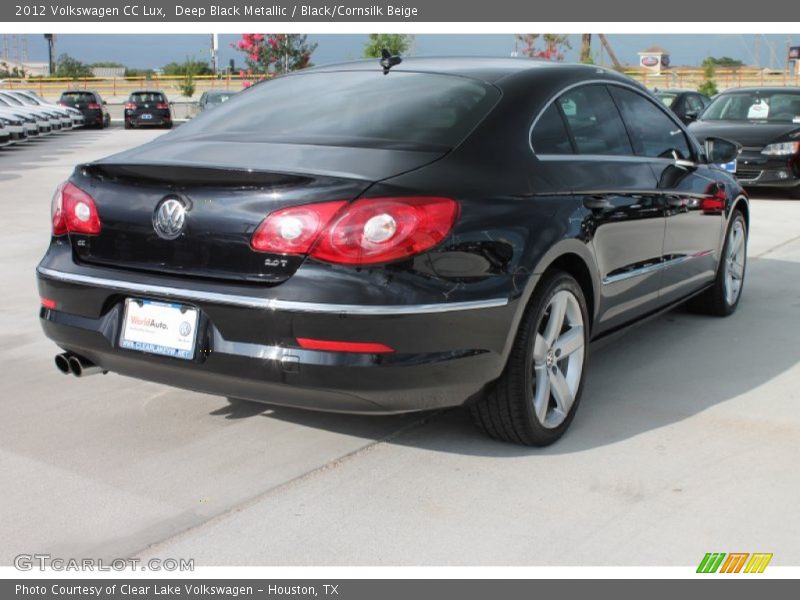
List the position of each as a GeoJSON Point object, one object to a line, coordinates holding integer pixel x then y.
{"type": "Point", "coordinates": [154, 51]}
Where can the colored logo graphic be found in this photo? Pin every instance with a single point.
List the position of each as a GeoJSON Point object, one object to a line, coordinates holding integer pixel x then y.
{"type": "Point", "coordinates": [735, 562]}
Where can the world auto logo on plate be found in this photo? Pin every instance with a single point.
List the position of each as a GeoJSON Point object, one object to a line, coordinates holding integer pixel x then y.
{"type": "Point", "coordinates": [185, 329]}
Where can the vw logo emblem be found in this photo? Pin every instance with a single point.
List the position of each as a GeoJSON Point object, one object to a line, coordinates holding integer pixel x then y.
{"type": "Point", "coordinates": [185, 329]}
{"type": "Point", "coordinates": [169, 218]}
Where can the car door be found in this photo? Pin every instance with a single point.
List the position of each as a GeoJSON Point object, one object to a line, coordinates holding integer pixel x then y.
{"type": "Point", "coordinates": [689, 192]}
{"type": "Point", "coordinates": [624, 219]}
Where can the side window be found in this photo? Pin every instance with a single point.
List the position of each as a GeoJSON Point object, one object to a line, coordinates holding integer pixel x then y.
{"type": "Point", "coordinates": [594, 121]}
{"type": "Point", "coordinates": [653, 133]}
{"type": "Point", "coordinates": [550, 135]}
{"type": "Point", "coordinates": [694, 103]}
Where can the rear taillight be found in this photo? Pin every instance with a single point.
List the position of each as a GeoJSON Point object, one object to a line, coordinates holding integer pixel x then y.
{"type": "Point", "coordinates": [74, 211]}
{"type": "Point", "coordinates": [293, 230]}
{"type": "Point", "coordinates": [162, 105]}
{"type": "Point", "coordinates": [130, 106]}
{"type": "Point", "coordinates": [93, 106]}
{"type": "Point", "coordinates": [379, 230]}
{"type": "Point", "coordinates": [368, 231]}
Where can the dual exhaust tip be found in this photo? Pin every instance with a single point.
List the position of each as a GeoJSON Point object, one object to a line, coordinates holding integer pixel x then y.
{"type": "Point", "coordinates": [67, 363]}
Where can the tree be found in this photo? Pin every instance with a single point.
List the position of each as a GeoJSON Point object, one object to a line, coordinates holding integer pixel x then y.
{"type": "Point", "coordinates": [271, 53]}
{"type": "Point", "coordinates": [709, 86]}
{"type": "Point", "coordinates": [190, 65]}
{"type": "Point", "coordinates": [7, 70]}
{"type": "Point", "coordinates": [725, 62]}
{"type": "Point", "coordinates": [187, 69]}
{"type": "Point", "coordinates": [395, 43]}
{"type": "Point", "coordinates": [146, 73]}
{"type": "Point", "coordinates": [107, 65]}
{"type": "Point", "coordinates": [66, 66]}
{"type": "Point", "coordinates": [554, 45]}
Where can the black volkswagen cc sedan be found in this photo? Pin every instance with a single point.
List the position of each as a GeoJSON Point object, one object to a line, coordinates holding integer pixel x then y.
{"type": "Point", "coordinates": [378, 240]}
{"type": "Point", "coordinates": [766, 122]}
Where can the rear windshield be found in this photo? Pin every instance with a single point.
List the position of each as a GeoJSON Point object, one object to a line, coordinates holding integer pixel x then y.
{"type": "Point", "coordinates": [356, 108]}
{"type": "Point", "coordinates": [141, 97]}
{"type": "Point", "coordinates": [780, 106]}
{"type": "Point", "coordinates": [667, 99]}
{"type": "Point", "coordinates": [219, 98]}
{"type": "Point", "coordinates": [78, 96]}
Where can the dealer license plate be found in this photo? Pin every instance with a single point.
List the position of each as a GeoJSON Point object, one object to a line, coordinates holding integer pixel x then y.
{"type": "Point", "coordinates": [145, 116]}
{"type": "Point", "coordinates": [159, 328]}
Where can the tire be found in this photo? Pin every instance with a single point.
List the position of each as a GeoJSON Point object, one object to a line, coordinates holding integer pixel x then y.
{"type": "Point", "coordinates": [722, 298]}
{"type": "Point", "coordinates": [795, 193]}
{"type": "Point", "coordinates": [168, 126]}
{"type": "Point", "coordinates": [511, 410]}
{"type": "Point", "coordinates": [128, 125]}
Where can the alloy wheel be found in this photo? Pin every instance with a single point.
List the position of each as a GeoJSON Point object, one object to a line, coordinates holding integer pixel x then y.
{"type": "Point", "coordinates": [558, 356]}
{"type": "Point", "coordinates": [735, 257]}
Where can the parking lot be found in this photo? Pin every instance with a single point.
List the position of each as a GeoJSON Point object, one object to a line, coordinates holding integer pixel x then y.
{"type": "Point", "coordinates": [686, 441]}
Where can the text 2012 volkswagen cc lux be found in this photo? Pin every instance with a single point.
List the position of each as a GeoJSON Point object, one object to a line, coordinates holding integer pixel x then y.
{"type": "Point", "coordinates": [371, 240]}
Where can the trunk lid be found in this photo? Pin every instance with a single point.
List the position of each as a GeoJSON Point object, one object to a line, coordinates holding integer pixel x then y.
{"type": "Point", "coordinates": [226, 189]}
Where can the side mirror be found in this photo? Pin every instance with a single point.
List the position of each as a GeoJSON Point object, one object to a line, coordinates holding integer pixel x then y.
{"type": "Point", "coordinates": [105, 103]}
{"type": "Point", "coordinates": [690, 116]}
{"type": "Point", "coordinates": [720, 151]}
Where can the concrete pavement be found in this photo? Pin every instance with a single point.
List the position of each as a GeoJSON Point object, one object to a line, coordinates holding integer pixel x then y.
{"type": "Point", "coordinates": [686, 441]}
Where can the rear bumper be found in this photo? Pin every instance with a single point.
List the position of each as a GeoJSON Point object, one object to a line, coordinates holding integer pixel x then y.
{"type": "Point", "coordinates": [247, 348]}
{"type": "Point", "coordinates": [157, 120]}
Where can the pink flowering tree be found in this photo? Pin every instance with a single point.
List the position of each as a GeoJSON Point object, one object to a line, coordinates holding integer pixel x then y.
{"type": "Point", "coordinates": [268, 54]}
{"type": "Point", "coordinates": [552, 45]}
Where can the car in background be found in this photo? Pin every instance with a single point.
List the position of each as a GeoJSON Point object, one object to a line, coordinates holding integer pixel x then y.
{"type": "Point", "coordinates": [214, 98]}
{"type": "Point", "coordinates": [766, 122]}
{"type": "Point", "coordinates": [32, 99]}
{"type": "Point", "coordinates": [15, 127]}
{"type": "Point", "coordinates": [46, 122]}
{"type": "Point", "coordinates": [90, 104]}
{"type": "Point", "coordinates": [59, 117]}
{"type": "Point", "coordinates": [5, 135]}
{"type": "Point", "coordinates": [147, 108]}
{"type": "Point", "coordinates": [29, 121]}
{"type": "Point", "coordinates": [686, 104]}
{"type": "Point", "coordinates": [303, 244]}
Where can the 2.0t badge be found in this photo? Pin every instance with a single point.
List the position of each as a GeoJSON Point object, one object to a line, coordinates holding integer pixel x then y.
{"type": "Point", "coordinates": [169, 218]}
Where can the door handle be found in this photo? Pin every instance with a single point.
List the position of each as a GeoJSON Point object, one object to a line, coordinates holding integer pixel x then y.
{"type": "Point", "coordinates": [597, 202]}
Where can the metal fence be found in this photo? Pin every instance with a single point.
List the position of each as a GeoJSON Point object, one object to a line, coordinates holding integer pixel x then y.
{"type": "Point", "coordinates": [51, 87]}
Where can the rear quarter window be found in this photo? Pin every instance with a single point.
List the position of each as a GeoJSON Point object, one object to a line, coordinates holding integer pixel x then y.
{"type": "Point", "coordinates": [549, 135]}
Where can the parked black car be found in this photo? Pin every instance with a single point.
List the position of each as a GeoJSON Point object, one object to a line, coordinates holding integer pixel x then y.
{"type": "Point", "coordinates": [686, 104]}
{"type": "Point", "coordinates": [147, 108]}
{"type": "Point", "coordinates": [766, 122]}
{"type": "Point", "coordinates": [92, 106]}
{"type": "Point", "coordinates": [454, 231]}
{"type": "Point", "coordinates": [213, 98]}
